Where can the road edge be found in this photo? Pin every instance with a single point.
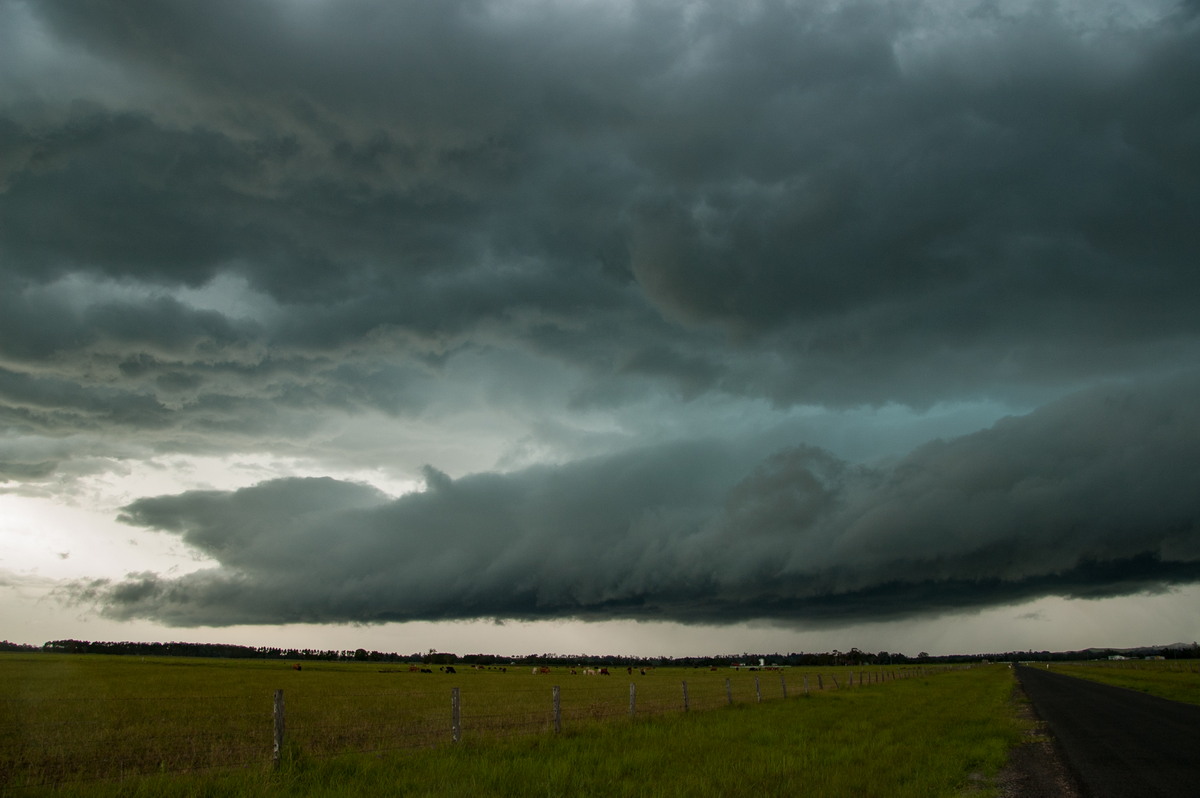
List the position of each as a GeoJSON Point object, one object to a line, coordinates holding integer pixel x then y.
{"type": "Point", "coordinates": [1036, 768]}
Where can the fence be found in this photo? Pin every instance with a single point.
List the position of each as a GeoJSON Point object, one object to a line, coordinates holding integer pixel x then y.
{"type": "Point", "coordinates": [58, 740]}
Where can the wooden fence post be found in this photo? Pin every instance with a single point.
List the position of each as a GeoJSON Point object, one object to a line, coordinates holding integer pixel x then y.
{"type": "Point", "coordinates": [783, 684]}
{"type": "Point", "coordinates": [820, 683]}
{"type": "Point", "coordinates": [632, 698]}
{"type": "Point", "coordinates": [279, 722]}
{"type": "Point", "coordinates": [728, 693]}
{"type": "Point", "coordinates": [757, 690]}
{"type": "Point", "coordinates": [557, 710]}
{"type": "Point", "coordinates": [455, 716]}
{"type": "Point", "coordinates": [806, 684]}
{"type": "Point", "coordinates": [686, 706]}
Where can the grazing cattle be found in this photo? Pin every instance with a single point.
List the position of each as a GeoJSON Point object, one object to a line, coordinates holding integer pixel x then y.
{"type": "Point", "coordinates": [604, 671]}
{"type": "Point", "coordinates": [450, 669]}
{"type": "Point", "coordinates": [296, 667]}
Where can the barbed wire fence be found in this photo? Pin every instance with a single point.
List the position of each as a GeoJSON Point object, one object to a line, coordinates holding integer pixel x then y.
{"type": "Point", "coordinates": [55, 741]}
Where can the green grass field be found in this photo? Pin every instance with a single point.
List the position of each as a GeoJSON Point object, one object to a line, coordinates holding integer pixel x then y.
{"type": "Point", "coordinates": [1177, 681]}
{"type": "Point", "coordinates": [101, 726]}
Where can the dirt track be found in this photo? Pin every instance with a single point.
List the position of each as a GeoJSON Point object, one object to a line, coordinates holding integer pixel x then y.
{"type": "Point", "coordinates": [1118, 742]}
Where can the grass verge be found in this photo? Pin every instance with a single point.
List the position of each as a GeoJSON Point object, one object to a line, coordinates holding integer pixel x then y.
{"type": "Point", "coordinates": [1165, 680]}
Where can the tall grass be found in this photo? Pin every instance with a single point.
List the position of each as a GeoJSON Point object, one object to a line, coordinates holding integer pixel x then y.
{"type": "Point", "coordinates": [93, 716]}
{"type": "Point", "coordinates": [938, 736]}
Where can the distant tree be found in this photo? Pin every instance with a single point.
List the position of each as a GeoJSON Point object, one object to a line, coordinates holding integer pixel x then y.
{"type": "Point", "coordinates": [7, 646]}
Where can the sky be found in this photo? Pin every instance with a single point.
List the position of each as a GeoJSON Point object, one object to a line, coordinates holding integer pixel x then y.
{"type": "Point", "coordinates": [645, 327]}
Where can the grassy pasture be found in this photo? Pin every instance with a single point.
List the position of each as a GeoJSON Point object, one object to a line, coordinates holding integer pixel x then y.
{"type": "Point", "coordinates": [1174, 680]}
{"type": "Point", "coordinates": [76, 719]}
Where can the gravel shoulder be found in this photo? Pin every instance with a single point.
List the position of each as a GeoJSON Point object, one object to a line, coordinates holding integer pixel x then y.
{"type": "Point", "coordinates": [1036, 768]}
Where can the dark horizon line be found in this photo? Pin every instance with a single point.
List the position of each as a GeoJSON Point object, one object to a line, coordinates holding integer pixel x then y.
{"type": "Point", "coordinates": [854, 655]}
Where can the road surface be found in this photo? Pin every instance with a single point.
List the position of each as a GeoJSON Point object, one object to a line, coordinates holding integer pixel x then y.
{"type": "Point", "coordinates": [1118, 742]}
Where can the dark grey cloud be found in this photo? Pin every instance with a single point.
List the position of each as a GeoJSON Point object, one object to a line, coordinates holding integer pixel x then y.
{"type": "Point", "coordinates": [825, 203]}
{"type": "Point", "coordinates": [1088, 497]}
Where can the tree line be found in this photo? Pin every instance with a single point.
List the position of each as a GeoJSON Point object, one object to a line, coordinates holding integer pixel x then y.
{"type": "Point", "coordinates": [854, 656]}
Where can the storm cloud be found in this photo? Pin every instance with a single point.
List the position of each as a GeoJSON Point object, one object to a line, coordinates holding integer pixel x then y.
{"type": "Point", "coordinates": [1091, 496]}
{"type": "Point", "coordinates": [813, 202]}
{"type": "Point", "coordinates": [629, 274]}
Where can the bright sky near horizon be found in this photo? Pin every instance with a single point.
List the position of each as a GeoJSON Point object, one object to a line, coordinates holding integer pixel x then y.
{"type": "Point", "coordinates": [652, 327]}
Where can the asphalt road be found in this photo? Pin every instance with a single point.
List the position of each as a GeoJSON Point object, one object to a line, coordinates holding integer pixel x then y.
{"type": "Point", "coordinates": [1118, 742]}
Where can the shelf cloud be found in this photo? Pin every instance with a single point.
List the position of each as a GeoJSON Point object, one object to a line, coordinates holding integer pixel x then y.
{"type": "Point", "coordinates": [1087, 497]}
